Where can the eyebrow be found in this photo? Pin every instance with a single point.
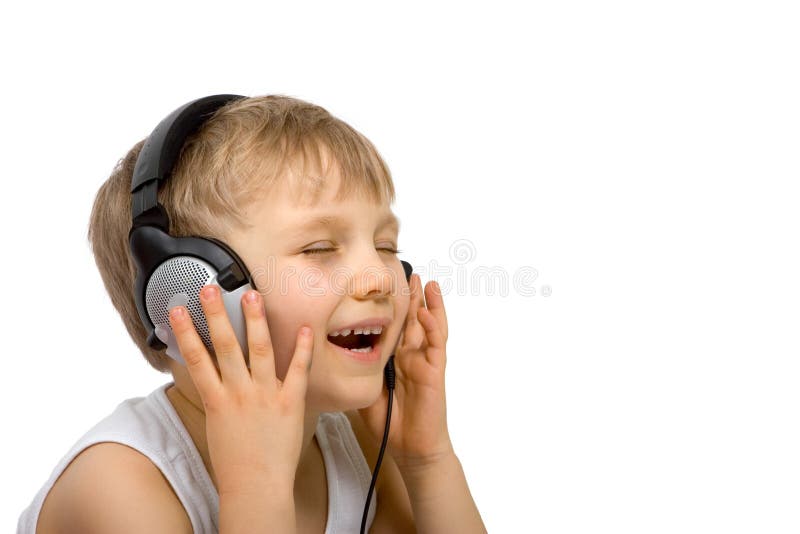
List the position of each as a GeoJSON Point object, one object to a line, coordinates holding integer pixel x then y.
{"type": "Point", "coordinates": [332, 220]}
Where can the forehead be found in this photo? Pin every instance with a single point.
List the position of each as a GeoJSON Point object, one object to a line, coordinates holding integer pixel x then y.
{"type": "Point", "coordinates": [339, 221]}
{"type": "Point", "coordinates": [293, 208]}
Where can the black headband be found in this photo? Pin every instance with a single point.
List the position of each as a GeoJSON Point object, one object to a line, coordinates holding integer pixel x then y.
{"type": "Point", "coordinates": [160, 153]}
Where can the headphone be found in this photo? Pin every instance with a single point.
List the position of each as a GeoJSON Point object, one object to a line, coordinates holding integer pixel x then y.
{"type": "Point", "coordinates": [170, 271]}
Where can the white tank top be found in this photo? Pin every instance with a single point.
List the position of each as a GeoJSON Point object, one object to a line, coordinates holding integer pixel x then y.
{"type": "Point", "coordinates": [152, 426]}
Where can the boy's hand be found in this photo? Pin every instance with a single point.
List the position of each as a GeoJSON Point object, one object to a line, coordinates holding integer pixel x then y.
{"type": "Point", "coordinates": [418, 435]}
{"type": "Point", "coordinates": [254, 423]}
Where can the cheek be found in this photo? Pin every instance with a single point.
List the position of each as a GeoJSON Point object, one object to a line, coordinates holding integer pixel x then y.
{"type": "Point", "coordinates": [292, 307]}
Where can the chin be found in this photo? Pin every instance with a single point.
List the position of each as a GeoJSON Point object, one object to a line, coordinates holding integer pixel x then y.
{"type": "Point", "coordinates": [345, 393]}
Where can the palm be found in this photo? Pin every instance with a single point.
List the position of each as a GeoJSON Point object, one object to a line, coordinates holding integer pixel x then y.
{"type": "Point", "coordinates": [418, 429]}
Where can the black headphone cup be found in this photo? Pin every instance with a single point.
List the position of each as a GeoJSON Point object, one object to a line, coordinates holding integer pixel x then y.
{"type": "Point", "coordinates": [408, 269]}
{"type": "Point", "coordinates": [178, 281]}
{"type": "Point", "coordinates": [170, 266]}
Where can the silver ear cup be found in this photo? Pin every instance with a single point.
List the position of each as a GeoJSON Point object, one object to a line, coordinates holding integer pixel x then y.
{"type": "Point", "coordinates": [178, 281]}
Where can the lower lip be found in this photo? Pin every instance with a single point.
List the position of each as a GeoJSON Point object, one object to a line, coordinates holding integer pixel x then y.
{"type": "Point", "coordinates": [367, 357]}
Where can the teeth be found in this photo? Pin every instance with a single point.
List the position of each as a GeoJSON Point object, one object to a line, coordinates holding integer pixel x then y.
{"type": "Point", "coordinates": [374, 330]}
{"type": "Point", "coordinates": [365, 349]}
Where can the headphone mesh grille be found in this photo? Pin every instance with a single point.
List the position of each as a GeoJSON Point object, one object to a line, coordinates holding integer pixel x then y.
{"type": "Point", "coordinates": [181, 274]}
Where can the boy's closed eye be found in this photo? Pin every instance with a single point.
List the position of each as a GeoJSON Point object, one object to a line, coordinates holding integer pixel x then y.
{"type": "Point", "coordinates": [389, 249]}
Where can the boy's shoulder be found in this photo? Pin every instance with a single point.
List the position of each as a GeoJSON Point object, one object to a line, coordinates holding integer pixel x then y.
{"type": "Point", "coordinates": [97, 490]}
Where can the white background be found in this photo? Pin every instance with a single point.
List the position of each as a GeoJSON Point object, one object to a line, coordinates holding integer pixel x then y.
{"type": "Point", "coordinates": [642, 157]}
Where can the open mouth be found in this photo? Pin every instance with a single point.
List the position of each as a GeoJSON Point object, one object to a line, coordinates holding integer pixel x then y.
{"type": "Point", "coordinates": [356, 342]}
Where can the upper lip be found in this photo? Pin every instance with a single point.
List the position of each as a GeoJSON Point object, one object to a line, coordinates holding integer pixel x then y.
{"type": "Point", "coordinates": [372, 321]}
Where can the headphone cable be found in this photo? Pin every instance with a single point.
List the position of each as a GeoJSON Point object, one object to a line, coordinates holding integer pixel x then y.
{"type": "Point", "coordinates": [388, 373]}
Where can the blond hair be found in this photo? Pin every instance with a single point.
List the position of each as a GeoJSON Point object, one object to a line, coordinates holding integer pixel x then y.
{"type": "Point", "coordinates": [235, 158]}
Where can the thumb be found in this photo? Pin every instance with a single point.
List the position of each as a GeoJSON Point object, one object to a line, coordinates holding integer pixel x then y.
{"type": "Point", "coordinates": [295, 383]}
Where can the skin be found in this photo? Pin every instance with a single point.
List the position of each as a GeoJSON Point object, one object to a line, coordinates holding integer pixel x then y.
{"type": "Point", "coordinates": [370, 282]}
{"type": "Point", "coordinates": [299, 289]}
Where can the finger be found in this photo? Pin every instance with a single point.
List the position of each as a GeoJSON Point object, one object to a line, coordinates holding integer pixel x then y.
{"type": "Point", "coordinates": [436, 342]}
{"type": "Point", "coordinates": [193, 350]}
{"type": "Point", "coordinates": [414, 333]}
{"type": "Point", "coordinates": [416, 298]}
{"type": "Point", "coordinates": [435, 302]}
{"type": "Point", "coordinates": [296, 381]}
{"type": "Point", "coordinates": [226, 345]}
{"type": "Point", "coordinates": [401, 340]}
{"type": "Point", "coordinates": [262, 358]}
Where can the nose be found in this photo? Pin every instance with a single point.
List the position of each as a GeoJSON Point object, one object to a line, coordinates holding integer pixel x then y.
{"type": "Point", "coordinates": [371, 278]}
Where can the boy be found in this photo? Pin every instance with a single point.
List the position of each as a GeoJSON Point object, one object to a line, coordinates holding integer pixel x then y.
{"type": "Point", "coordinates": [304, 200]}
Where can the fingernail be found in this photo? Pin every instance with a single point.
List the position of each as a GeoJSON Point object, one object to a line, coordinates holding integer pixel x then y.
{"type": "Point", "coordinates": [208, 292]}
{"type": "Point", "coordinates": [178, 312]}
{"type": "Point", "coordinates": [305, 331]}
{"type": "Point", "coordinates": [252, 297]}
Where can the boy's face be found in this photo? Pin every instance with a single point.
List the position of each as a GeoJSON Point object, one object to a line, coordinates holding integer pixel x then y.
{"type": "Point", "coordinates": [339, 287]}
